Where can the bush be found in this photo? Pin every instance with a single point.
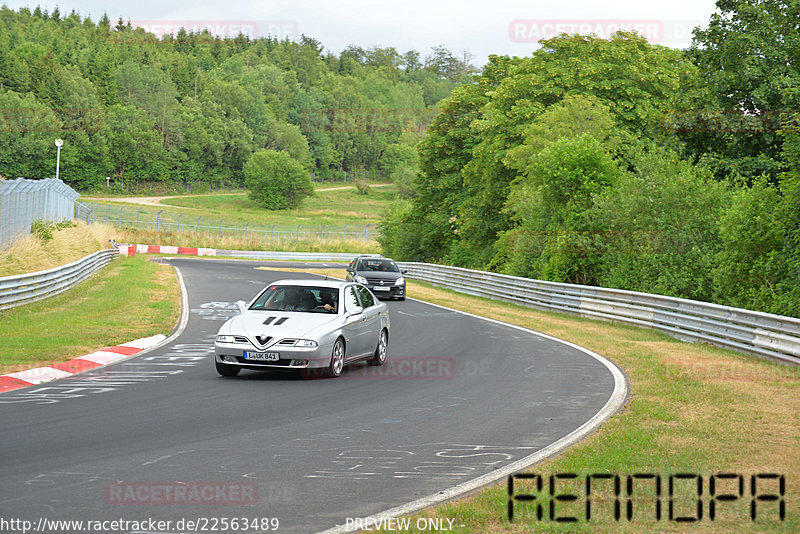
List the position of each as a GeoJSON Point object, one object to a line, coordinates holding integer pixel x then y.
{"type": "Point", "coordinates": [276, 181]}
{"type": "Point", "coordinates": [44, 229]}
{"type": "Point", "coordinates": [362, 186]}
{"type": "Point", "coordinates": [403, 177]}
{"type": "Point", "coordinates": [661, 227]}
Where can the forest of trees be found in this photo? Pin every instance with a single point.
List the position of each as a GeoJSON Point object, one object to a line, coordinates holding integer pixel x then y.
{"type": "Point", "coordinates": [618, 163]}
{"type": "Point", "coordinates": [191, 107]}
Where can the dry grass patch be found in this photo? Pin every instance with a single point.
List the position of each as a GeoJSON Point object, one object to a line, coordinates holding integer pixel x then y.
{"type": "Point", "coordinates": [252, 242]}
{"type": "Point", "coordinates": [30, 254]}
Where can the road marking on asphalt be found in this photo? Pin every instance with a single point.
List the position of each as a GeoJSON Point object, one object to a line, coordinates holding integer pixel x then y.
{"type": "Point", "coordinates": [614, 403]}
{"type": "Point", "coordinates": [45, 385]}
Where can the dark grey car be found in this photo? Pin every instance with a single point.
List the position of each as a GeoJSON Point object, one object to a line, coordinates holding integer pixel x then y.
{"type": "Point", "coordinates": [382, 275]}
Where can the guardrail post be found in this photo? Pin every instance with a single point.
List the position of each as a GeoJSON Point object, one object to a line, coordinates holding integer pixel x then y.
{"type": "Point", "coordinates": [197, 228]}
{"type": "Point", "coordinates": [179, 221]}
{"type": "Point", "coordinates": [138, 214]}
{"type": "Point", "coordinates": [220, 227]}
{"type": "Point", "coordinates": [298, 233]}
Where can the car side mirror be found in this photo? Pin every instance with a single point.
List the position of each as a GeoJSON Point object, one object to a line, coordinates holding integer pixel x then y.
{"type": "Point", "coordinates": [358, 310]}
{"type": "Point", "coordinates": [403, 271]}
{"type": "Point", "coordinates": [241, 306]}
{"type": "Point", "coordinates": [350, 270]}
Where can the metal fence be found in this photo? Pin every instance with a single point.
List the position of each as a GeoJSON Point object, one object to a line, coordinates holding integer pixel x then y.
{"type": "Point", "coordinates": [772, 336]}
{"type": "Point", "coordinates": [27, 288]}
{"type": "Point", "coordinates": [23, 201]}
{"type": "Point", "coordinates": [144, 219]}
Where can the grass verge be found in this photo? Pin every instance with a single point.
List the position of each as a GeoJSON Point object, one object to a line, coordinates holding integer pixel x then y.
{"type": "Point", "coordinates": [693, 408]}
{"type": "Point", "coordinates": [334, 208]}
{"type": "Point", "coordinates": [128, 299]}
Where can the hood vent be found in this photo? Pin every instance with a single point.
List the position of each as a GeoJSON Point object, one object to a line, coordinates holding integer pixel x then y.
{"type": "Point", "coordinates": [277, 323]}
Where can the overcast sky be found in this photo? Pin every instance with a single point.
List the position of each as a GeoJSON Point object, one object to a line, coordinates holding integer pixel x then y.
{"type": "Point", "coordinates": [482, 27]}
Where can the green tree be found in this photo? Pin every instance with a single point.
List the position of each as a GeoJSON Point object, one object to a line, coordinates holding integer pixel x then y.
{"type": "Point", "coordinates": [661, 227]}
{"type": "Point", "coordinates": [27, 130]}
{"type": "Point", "coordinates": [556, 238]}
{"type": "Point", "coordinates": [275, 180]}
{"type": "Point", "coordinates": [633, 79]}
{"type": "Point", "coordinates": [746, 272]}
{"type": "Point", "coordinates": [747, 76]}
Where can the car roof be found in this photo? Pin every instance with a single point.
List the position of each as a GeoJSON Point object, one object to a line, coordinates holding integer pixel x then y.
{"type": "Point", "coordinates": [310, 283]}
{"type": "Point", "coordinates": [374, 258]}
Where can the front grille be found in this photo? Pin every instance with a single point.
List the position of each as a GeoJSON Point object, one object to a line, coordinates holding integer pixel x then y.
{"type": "Point", "coordinates": [289, 342]}
{"type": "Point", "coordinates": [263, 339]}
{"type": "Point", "coordinates": [282, 362]}
{"type": "Point", "coordinates": [377, 282]}
{"type": "Point", "coordinates": [241, 339]}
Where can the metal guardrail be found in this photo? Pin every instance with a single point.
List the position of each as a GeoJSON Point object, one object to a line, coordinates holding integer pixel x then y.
{"type": "Point", "coordinates": [767, 335]}
{"type": "Point", "coordinates": [27, 288]}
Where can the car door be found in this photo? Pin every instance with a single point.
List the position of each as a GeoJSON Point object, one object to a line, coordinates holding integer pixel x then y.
{"type": "Point", "coordinates": [356, 329]}
{"type": "Point", "coordinates": [373, 319]}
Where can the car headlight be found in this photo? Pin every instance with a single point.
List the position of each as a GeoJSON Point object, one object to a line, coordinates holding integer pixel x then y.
{"type": "Point", "coordinates": [361, 279]}
{"type": "Point", "coordinates": [400, 281]}
{"type": "Point", "coordinates": [226, 339]}
{"type": "Point", "coordinates": [308, 343]}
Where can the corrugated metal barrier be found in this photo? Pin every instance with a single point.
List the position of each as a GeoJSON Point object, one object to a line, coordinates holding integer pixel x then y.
{"type": "Point", "coordinates": [772, 336]}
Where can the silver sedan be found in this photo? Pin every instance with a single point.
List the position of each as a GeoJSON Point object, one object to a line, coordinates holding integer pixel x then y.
{"type": "Point", "coordinates": [304, 324]}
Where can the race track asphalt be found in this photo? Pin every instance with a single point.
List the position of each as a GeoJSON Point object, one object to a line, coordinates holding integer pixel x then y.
{"type": "Point", "coordinates": [458, 398]}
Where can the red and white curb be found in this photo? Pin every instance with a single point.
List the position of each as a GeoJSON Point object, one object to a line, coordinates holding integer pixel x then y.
{"type": "Point", "coordinates": [130, 250]}
{"type": "Point", "coordinates": [106, 356]}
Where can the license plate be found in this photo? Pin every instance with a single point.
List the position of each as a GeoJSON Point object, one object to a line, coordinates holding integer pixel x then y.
{"type": "Point", "coordinates": [262, 356]}
{"type": "Point", "coordinates": [381, 288]}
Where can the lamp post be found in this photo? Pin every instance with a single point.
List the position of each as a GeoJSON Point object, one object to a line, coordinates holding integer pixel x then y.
{"type": "Point", "coordinates": [59, 144]}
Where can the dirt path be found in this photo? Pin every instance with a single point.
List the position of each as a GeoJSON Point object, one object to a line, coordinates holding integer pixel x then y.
{"type": "Point", "coordinates": [156, 201]}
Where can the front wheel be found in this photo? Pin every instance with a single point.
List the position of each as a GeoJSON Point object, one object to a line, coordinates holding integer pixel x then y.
{"type": "Point", "coordinates": [227, 370]}
{"type": "Point", "coordinates": [380, 351]}
{"type": "Point", "coordinates": [337, 358]}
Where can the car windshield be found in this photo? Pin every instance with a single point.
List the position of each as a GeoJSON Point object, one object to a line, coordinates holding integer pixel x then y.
{"type": "Point", "coordinates": [386, 266]}
{"type": "Point", "coordinates": [298, 299]}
